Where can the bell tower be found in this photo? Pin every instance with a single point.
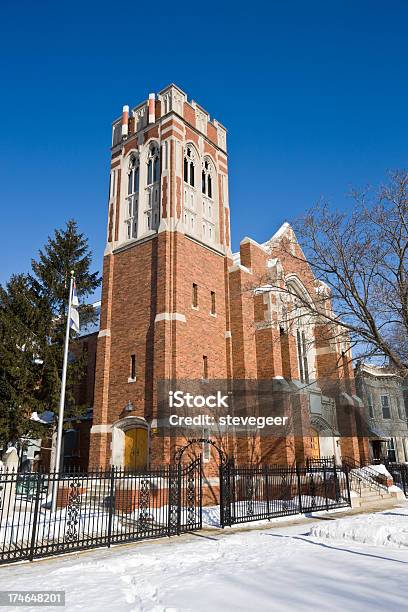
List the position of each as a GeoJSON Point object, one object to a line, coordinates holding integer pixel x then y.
{"type": "Point", "coordinates": [164, 310]}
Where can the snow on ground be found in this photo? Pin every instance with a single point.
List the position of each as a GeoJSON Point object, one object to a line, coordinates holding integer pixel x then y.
{"type": "Point", "coordinates": [275, 568]}
{"type": "Point", "coordinates": [381, 469]}
{"type": "Point", "coordinates": [211, 516]}
{"type": "Point", "coordinates": [388, 528]}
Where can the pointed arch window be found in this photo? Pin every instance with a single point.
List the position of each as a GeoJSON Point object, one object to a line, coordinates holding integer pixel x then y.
{"type": "Point", "coordinates": [302, 356]}
{"type": "Point", "coordinates": [189, 166]}
{"type": "Point", "coordinates": [151, 210]}
{"type": "Point", "coordinates": [132, 197]}
{"type": "Point", "coordinates": [206, 179]}
{"type": "Point", "coordinates": [133, 176]}
{"type": "Point", "coordinates": [153, 165]}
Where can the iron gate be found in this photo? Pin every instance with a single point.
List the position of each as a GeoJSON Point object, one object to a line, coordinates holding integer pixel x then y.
{"type": "Point", "coordinates": [96, 509]}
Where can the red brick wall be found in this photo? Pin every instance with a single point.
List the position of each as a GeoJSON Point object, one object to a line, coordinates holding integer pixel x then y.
{"type": "Point", "coordinates": [85, 346]}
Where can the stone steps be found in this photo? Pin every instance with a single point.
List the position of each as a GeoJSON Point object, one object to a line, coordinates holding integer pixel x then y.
{"type": "Point", "coordinates": [367, 496]}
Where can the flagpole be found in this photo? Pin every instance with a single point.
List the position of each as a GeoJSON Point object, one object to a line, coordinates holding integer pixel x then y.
{"type": "Point", "coordinates": [62, 399]}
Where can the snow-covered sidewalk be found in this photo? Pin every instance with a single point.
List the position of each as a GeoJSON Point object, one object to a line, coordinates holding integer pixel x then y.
{"type": "Point", "coordinates": [298, 567]}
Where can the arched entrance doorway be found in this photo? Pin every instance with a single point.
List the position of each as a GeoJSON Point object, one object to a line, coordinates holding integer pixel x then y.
{"type": "Point", "coordinates": [325, 440]}
{"type": "Point", "coordinates": [130, 443]}
{"type": "Point", "coordinates": [135, 449]}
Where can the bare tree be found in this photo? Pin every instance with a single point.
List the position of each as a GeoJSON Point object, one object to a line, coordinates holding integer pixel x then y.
{"type": "Point", "coordinates": [359, 260]}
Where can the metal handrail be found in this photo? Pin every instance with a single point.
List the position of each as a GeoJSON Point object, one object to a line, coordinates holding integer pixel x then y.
{"type": "Point", "coordinates": [365, 474]}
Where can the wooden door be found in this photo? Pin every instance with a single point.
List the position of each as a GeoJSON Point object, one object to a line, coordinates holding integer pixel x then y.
{"type": "Point", "coordinates": [136, 448]}
{"type": "Point", "coordinates": [315, 443]}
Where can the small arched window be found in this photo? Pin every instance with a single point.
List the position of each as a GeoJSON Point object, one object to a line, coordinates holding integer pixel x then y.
{"type": "Point", "coordinates": [153, 165]}
{"type": "Point", "coordinates": [206, 179]}
{"type": "Point", "coordinates": [189, 166]}
{"type": "Point", "coordinates": [133, 176]}
{"type": "Point", "coordinates": [132, 198]}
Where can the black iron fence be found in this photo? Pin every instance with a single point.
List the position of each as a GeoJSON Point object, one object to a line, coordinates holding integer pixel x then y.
{"type": "Point", "coordinates": [319, 462]}
{"type": "Point", "coordinates": [95, 509]}
{"type": "Point", "coordinates": [53, 513]}
{"type": "Point", "coordinates": [250, 493]}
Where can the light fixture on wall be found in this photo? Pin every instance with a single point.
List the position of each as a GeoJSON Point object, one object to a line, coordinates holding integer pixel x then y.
{"type": "Point", "coordinates": [129, 407]}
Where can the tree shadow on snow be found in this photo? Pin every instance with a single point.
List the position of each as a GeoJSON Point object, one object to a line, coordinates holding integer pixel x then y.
{"type": "Point", "coordinates": [347, 550]}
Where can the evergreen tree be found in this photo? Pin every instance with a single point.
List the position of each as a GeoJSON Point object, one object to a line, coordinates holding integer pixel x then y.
{"type": "Point", "coordinates": [21, 342]}
{"type": "Point", "coordinates": [66, 251]}
{"type": "Point", "coordinates": [33, 312]}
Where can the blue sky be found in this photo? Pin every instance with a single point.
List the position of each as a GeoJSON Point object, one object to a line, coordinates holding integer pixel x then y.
{"type": "Point", "coordinates": [314, 96]}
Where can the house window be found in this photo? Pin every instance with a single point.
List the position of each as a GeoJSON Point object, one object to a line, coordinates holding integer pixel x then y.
{"type": "Point", "coordinates": [405, 445]}
{"type": "Point", "coordinates": [370, 406]}
{"type": "Point", "coordinates": [385, 406]}
{"type": "Point", "coordinates": [195, 296]}
{"type": "Point", "coordinates": [133, 367]}
{"type": "Point", "coordinates": [213, 302]}
{"type": "Point", "coordinates": [391, 454]}
{"type": "Point", "coordinates": [71, 445]}
{"type": "Point", "coordinates": [205, 367]}
{"type": "Point", "coordinates": [401, 409]}
{"type": "Point", "coordinates": [302, 356]}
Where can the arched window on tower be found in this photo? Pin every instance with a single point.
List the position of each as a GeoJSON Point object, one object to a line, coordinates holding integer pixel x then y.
{"type": "Point", "coordinates": [153, 165]}
{"type": "Point", "coordinates": [152, 206]}
{"type": "Point", "coordinates": [189, 166]}
{"type": "Point", "coordinates": [206, 179]}
{"type": "Point", "coordinates": [132, 197]}
{"type": "Point", "coordinates": [191, 214]}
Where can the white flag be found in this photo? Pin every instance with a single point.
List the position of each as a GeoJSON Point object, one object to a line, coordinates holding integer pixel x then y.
{"type": "Point", "coordinates": [74, 323]}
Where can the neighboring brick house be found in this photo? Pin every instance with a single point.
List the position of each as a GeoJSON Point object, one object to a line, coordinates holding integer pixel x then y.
{"type": "Point", "coordinates": [175, 299]}
{"type": "Point", "coordinates": [76, 438]}
{"type": "Point", "coordinates": [385, 396]}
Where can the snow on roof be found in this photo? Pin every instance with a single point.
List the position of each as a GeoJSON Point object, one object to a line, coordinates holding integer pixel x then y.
{"type": "Point", "coordinates": [236, 258]}
{"type": "Point", "coordinates": [45, 417]}
{"type": "Point", "coordinates": [279, 233]}
{"type": "Point", "coordinates": [374, 370]}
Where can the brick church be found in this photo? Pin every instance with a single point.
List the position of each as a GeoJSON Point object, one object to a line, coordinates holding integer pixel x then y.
{"type": "Point", "coordinates": [178, 304]}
